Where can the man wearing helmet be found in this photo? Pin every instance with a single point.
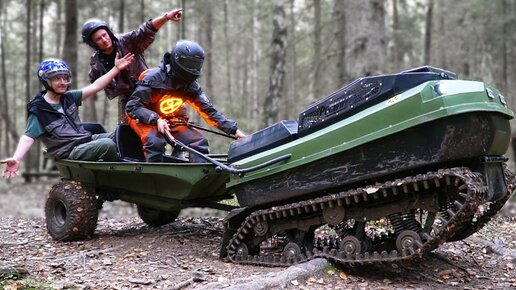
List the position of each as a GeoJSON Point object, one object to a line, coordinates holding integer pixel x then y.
{"type": "Point", "coordinates": [53, 116]}
{"type": "Point", "coordinates": [98, 35]}
{"type": "Point", "coordinates": [176, 76]}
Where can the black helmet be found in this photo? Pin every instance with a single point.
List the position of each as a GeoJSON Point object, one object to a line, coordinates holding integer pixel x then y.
{"type": "Point", "coordinates": [90, 26]}
{"type": "Point", "coordinates": [187, 59]}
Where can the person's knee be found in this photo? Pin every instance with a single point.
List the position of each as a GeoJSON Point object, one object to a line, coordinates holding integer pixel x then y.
{"type": "Point", "coordinates": [155, 143]}
{"type": "Point", "coordinates": [108, 149]}
{"type": "Point", "coordinates": [200, 144]}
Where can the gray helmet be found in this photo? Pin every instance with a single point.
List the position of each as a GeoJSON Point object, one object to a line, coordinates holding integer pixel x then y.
{"type": "Point", "coordinates": [187, 58]}
{"type": "Point", "coordinates": [91, 26]}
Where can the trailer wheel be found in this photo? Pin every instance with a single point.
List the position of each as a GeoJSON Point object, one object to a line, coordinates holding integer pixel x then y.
{"type": "Point", "coordinates": [71, 211]}
{"type": "Point", "coordinates": [155, 217]}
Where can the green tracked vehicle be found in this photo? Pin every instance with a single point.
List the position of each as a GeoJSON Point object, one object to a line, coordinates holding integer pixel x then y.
{"type": "Point", "coordinates": [383, 170]}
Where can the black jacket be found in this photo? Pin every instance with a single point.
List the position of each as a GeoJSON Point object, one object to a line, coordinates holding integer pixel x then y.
{"type": "Point", "coordinates": [143, 103]}
{"type": "Point", "coordinates": [62, 131]}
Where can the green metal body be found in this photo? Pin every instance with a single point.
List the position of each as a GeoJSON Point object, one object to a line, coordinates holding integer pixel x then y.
{"type": "Point", "coordinates": [155, 185]}
{"type": "Point", "coordinates": [419, 105]}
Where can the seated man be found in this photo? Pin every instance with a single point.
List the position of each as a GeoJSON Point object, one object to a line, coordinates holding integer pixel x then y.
{"type": "Point", "coordinates": [53, 116]}
{"type": "Point", "coordinates": [167, 86]}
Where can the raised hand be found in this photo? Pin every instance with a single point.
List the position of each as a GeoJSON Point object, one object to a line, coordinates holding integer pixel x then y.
{"type": "Point", "coordinates": [174, 15]}
{"type": "Point", "coordinates": [11, 167]}
{"type": "Point", "coordinates": [124, 62]}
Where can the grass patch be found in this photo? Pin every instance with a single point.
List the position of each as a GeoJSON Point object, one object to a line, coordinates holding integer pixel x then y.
{"type": "Point", "coordinates": [12, 283]}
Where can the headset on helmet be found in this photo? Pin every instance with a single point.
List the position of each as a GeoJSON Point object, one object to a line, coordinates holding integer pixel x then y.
{"type": "Point", "coordinates": [90, 26]}
{"type": "Point", "coordinates": [50, 68]}
{"type": "Point", "coordinates": [187, 58]}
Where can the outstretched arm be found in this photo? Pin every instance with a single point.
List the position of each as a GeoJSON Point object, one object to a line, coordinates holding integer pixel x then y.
{"type": "Point", "coordinates": [103, 81]}
{"type": "Point", "coordinates": [13, 164]}
{"type": "Point", "coordinates": [174, 15]}
{"type": "Point", "coordinates": [239, 134]}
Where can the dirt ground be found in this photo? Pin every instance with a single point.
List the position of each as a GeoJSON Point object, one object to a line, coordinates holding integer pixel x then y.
{"type": "Point", "coordinates": [127, 254]}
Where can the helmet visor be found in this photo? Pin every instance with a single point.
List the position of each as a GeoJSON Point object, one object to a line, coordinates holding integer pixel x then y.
{"type": "Point", "coordinates": [190, 64]}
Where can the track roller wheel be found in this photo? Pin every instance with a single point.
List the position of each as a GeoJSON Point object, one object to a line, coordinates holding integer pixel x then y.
{"type": "Point", "coordinates": [261, 228]}
{"type": "Point", "coordinates": [244, 250]}
{"type": "Point", "coordinates": [407, 239]}
{"type": "Point", "coordinates": [291, 250]}
{"type": "Point", "coordinates": [350, 245]}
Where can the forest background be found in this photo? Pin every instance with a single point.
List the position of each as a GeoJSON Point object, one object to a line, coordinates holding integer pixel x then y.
{"type": "Point", "coordinates": [265, 60]}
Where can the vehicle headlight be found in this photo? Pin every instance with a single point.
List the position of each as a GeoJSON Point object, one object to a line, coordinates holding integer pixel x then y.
{"type": "Point", "coordinates": [502, 99]}
{"type": "Point", "coordinates": [490, 93]}
{"type": "Point", "coordinates": [441, 89]}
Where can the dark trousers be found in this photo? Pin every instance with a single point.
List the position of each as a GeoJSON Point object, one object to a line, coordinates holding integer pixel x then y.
{"type": "Point", "coordinates": [154, 142]}
{"type": "Point", "coordinates": [102, 147]}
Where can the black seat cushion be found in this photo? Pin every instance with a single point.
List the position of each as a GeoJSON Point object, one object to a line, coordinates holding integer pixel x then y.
{"type": "Point", "coordinates": [128, 144]}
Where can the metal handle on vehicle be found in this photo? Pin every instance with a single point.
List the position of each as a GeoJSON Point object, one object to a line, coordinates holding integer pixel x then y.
{"type": "Point", "coordinates": [221, 166]}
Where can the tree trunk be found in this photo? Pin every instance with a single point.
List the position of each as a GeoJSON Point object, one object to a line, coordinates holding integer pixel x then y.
{"type": "Point", "coordinates": [183, 20]}
{"type": "Point", "coordinates": [427, 57]}
{"type": "Point", "coordinates": [41, 35]}
{"type": "Point", "coordinates": [28, 69]}
{"type": "Point", "coordinates": [505, 36]}
{"type": "Point", "coordinates": [40, 58]}
{"type": "Point", "coordinates": [71, 32]}
{"type": "Point", "coordinates": [245, 97]}
{"type": "Point", "coordinates": [121, 27]}
{"type": "Point", "coordinates": [208, 33]}
{"type": "Point", "coordinates": [365, 38]}
{"type": "Point", "coordinates": [277, 66]}
{"type": "Point", "coordinates": [442, 62]}
{"type": "Point", "coordinates": [340, 35]}
{"type": "Point", "coordinates": [397, 49]}
{"type": "Point", "coordinates": [317, 91]}
{"type": "Point", "coordinates": [9, 129]}
{"type": "Point", "coordinates": [292, 96]}
{"type": "Point", "coordinates": [4, 102]}
{"type": "Point", "coordinates": [227, 44]}
{"type": "Point", "coordinates": [121, 18]}
{"type": "Point", "coordinates": [142, 11]}
{"type": "Point", "coordinates": [59, 28]}
{"type": "Point", "coordinates": [255, 105]}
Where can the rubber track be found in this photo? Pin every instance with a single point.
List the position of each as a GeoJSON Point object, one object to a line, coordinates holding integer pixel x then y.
{"type": "Point", "coordinates": [470, 184]}
{"type": "Point", "coordinates": [479, 222]}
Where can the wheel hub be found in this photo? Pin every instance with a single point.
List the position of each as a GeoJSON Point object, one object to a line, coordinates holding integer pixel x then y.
{"type": "Point", "coordinates": [350, 245]}
{"type": "Point", "coordinates": [261, 228]}
{"type": "Point", "coordinates": [291, 250]}
{"type": "Point", "coordinates": [407, 239]}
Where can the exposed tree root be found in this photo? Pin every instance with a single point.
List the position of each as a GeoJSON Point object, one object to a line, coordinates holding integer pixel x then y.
{"type": "Point", "coordinates": [273, 280]}
{"type": "Point", "coordinates": [495, 248]}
